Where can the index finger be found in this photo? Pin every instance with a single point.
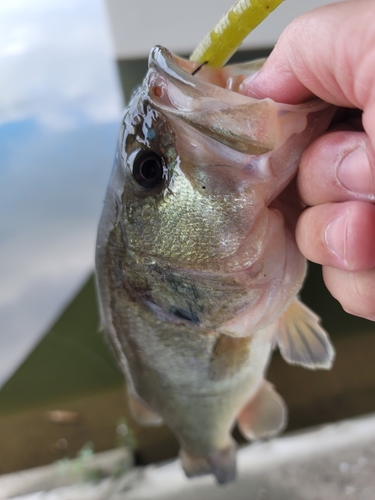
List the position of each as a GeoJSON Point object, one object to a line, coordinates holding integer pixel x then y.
{"type": "Point", "coordinates": [329, 53]}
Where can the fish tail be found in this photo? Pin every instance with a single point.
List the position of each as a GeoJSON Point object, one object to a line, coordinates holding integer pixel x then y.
{"type": "Point", "coordinates": [220, 463]}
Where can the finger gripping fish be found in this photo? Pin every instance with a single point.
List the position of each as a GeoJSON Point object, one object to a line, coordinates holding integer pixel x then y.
{"type": "Point", "coordinates": [197, 264]}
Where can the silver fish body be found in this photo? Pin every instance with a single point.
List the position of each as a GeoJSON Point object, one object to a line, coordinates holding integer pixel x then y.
{"type": "Point", "coordinates": [197, 265]}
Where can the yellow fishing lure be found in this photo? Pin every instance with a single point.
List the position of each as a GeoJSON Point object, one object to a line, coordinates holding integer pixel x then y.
{"type": "Point", "coordinates": [225, 38]}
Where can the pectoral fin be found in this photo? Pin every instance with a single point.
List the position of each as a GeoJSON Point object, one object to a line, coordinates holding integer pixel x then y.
{"type": "Point", "coordinates": [142, 412]}
{"type": "Point", "coordinates": [302, 341]}
{"type": "Point", "coordinates": [264, 415]}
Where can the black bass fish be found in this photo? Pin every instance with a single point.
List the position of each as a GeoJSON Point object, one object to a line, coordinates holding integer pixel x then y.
{"type": "Point", "coordinates": [197, 265]}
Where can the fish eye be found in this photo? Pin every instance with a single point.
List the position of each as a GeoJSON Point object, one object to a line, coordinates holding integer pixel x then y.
{"type": "Point", "coordinates": [148, 169]}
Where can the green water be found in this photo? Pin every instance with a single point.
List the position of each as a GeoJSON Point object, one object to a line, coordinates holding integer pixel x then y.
{"type": "Point", "coordinates": [72, 359]}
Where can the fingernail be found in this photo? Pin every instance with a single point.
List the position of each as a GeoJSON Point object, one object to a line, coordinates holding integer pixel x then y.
{"type": "Point", "coordinates": [245, 86]}
{"type": "Point", "coordinates": [355, 174]}
{"type": "Point", "coordinates": [250, 78]}
{"type": "Point", "coordinates": [335, 236]}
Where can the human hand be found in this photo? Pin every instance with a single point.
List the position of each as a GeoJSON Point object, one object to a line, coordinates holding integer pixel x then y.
{"type": "Point", "coordinates": [330, 53]}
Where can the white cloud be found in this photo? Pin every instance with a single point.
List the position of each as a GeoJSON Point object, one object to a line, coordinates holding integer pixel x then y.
{"type": "Point", "coordinates": [47, 254]}
{"type": "Point", "coordinates": [54, 53]}
{"type": "Point", "coordinates": [60, 106]}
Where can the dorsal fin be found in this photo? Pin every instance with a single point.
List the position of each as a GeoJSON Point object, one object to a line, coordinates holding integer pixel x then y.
{"type": "Point", "coordinates": [302, 341]}
{"type": "Point", "coordinates": [264, 415]}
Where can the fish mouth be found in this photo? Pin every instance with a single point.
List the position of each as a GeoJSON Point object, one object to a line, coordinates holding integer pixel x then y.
{"type": "Point", "coordinates": [163, 58]}
{"type": "Point", "coordinates": [193, 72]}
{"type": "Point", "coordinates": [252, 126]}
{"type": "Point", "coordinates": [202, 101]}
{"type": "Point", "coordinates": [175, 66]}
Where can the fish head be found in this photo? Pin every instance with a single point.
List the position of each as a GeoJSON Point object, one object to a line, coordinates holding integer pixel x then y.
{"type": "Point", "coordinates": [197, 168]}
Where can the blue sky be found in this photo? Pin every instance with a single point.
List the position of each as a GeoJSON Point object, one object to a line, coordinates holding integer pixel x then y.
{"type": "Point", "coordinates": [60, 108]}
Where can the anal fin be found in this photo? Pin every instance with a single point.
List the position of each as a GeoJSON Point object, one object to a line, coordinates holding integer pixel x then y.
{"type": "Point", "coordinates": [264, 415]}
{"type": "Point", "coordinates": [142, 412]}
{"type": "Point", "coordinates": [302, 341]}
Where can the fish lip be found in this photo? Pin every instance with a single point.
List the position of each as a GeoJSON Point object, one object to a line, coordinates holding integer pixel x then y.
{"type": "Point", "coordinates": [162, 58]}
{"type": "Point", "coordinates": [162, 62]}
